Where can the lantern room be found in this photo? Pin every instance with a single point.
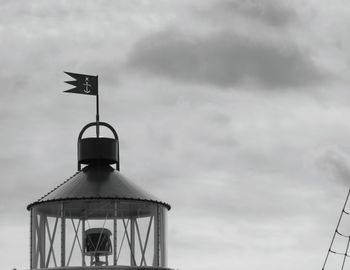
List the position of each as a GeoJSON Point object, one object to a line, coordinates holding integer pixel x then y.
{"type": "Point", "coordinates": [98, 218]}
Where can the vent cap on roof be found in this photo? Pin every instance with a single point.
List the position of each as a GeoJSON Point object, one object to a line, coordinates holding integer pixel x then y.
{"type": "Point", "coordinates": [93, 150]}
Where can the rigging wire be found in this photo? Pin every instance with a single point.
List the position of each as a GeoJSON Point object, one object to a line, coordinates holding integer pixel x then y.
{"type": "Point", "coordinates": [343, 235]}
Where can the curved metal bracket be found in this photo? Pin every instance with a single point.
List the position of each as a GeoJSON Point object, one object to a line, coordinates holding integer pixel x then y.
{"type": "Point", "coordinates": [92, 124]}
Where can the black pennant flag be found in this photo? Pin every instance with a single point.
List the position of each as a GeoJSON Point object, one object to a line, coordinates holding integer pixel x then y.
{"type": "Point", "coordinates": [84, 84]}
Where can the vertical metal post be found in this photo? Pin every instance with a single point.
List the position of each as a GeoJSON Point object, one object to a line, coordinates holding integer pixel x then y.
{"type": "Point", "coordinates": [42, 240]}
{"type": "Point", "coordinates": [32, 239]}
{"type": "Point", "coordinates": [36, 241]}
{"type": "Point", "coordinates": [163, 237]}
{"type": "Point", "coordinates": [132, 240]}
{"type": "Point", "coordinates": [83, 242]}
{"type": "Point", "coordinates": [115, 243]}
{"type": "Point", "coordinates": [63, 236]}
{"type": "Point", "coordinates": [156, 237]}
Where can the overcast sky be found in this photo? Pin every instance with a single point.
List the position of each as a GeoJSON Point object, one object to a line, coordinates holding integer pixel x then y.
{"type": "Point", "coordinates": [234, 112]}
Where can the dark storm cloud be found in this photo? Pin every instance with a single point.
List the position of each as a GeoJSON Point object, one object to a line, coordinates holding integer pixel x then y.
{"type": "Point", "coordinates": [224, 60]}
{"type": "Point", "coordinates": [271, 12]}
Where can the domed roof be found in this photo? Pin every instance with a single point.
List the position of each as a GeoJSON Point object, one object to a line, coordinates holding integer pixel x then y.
{"type": "Point", "coordinates": [97, 182]}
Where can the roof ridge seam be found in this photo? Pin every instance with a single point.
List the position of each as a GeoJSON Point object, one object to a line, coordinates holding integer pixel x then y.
{"type": "Point", "coordinates": [52, 190]}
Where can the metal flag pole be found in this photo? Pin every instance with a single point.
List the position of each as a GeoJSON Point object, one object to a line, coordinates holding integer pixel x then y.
{"type": "Point", "coordinates": [82, 86]}
{"type": "Point", "coordinates": [97, 112]}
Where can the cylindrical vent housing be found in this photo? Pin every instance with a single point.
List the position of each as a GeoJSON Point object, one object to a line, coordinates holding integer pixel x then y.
{"type": "Point", "coordinates": [92, 150]}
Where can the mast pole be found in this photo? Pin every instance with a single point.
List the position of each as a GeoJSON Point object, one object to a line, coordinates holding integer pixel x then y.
{"type": "Point", "coordinates": [97, 112]}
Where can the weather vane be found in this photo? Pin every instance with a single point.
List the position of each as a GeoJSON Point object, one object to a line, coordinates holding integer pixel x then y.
{"type": "Point", "coordinates": [86, 85]}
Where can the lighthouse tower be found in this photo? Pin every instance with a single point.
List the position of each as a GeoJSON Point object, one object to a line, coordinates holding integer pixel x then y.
{"type": "Point", "coordinates": [98, 218]}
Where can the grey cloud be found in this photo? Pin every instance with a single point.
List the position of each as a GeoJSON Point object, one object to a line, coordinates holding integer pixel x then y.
{"type": "Point", "coordinates": [232, 170]}
{"type": "Point", "coordinates": [335, 164]}
{"type": "Point", "coordinates": [224, 60]}
{"type": "Point", "coordinates": [271, 12]}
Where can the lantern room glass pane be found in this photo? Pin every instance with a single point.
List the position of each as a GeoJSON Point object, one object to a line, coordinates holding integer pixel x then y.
{"type": "Point", "coordinates": [45, 239]}
{"type": "Point", "coordinates": [134, 232]}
